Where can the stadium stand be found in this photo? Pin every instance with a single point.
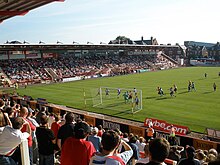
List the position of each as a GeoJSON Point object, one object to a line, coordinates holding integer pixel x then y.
{"type": "Point", "coordinates": [31, 71]}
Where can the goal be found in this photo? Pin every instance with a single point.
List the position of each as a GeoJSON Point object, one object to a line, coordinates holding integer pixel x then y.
{"type": "Point", "coordinates": [117, 99]}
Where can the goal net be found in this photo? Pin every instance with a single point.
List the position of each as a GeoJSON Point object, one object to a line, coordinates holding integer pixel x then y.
{"type": "Point", "coordinates": [117, 99]}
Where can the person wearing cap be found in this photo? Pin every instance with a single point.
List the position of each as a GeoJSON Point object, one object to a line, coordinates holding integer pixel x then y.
{"type": "Point", "coordinates": [190, 157]}
{"type": "Point", "coordinates": [76, 150]}
{"type": "Point", "coordinates": [96, 140]}
{"type": "Point", "coordinates": [10, 138]}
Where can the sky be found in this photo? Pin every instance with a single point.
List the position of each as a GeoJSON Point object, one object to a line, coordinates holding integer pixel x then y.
{"type": "Point", "coordinates": [95, 21]}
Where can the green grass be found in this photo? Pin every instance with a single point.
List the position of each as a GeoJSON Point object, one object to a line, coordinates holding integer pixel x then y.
{"type": "Point", "coordinates": [197, 110]}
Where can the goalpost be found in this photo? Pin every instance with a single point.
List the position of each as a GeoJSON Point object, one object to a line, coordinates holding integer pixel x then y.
{"type": "Point", "coordinates": [117, 99]}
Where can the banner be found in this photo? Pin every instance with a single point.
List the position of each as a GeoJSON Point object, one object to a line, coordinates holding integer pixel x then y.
{"type": "Point", "coordinates": [165, 127]}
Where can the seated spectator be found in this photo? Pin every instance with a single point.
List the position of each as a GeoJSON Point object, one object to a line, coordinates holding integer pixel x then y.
{"type": "Point", "coordinates": [109, 154]}
{"type": "Point", "coordinates": [158, 151]}
{"type": "Point", "coordinates": [190, 157]}
{"type": "Point", "coordinates": [76, 150]}
{"type": "Point", "coordinates": [10, 138]}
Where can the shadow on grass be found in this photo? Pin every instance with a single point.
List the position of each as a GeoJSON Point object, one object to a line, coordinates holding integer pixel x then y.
{"type": "Point", "coordinates": [183, 92]}
{"type": "Point", "coordinates": [207, 92]}
{"type": "Point", "coordinates": [154, 97]}
{"type": "Point", "coordinates": [163, 98]}
{"type": "Point", "coordinates": [123, 112]}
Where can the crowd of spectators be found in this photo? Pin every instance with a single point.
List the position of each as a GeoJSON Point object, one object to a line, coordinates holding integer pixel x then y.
{"type": "Point", "coordinates": [19, 71]}
{"type": "Point", "coordinates": [37, 70]}
{"type": "Point", "coordinates": [54, 139]}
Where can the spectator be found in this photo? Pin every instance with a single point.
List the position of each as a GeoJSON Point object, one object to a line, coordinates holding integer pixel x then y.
{"type": "Point", "coordinates": [109, 154]}
{"type": "Point", "coordinates": [141, 144]}
{"type": "Point", "coordinates": [46, 141]}
{"type": "Point", "coordinates": [10, 138]}
{"type": "Point", "coordinates": [101, 130]}
{"type": "Point", "coordinates": [135, 156]}
{"type": "Point", "coordinates": [66, 130]}
{"type": "Point", "coordinates": [145, 159]}
{"type": "Point", "coordinates": [158, 151]}
{"type": "Point", "coordinates": [4, 120]}
{"type": "Point", "coordinates": [96, 140]}
{"type": "Point", "coordinates": [174, 155]}
{"type": "Point", "coordinates": [24, 114]}
{"type": "Point", "coordinates": [215, 162]}
{"type": "Point", "coordinates": [76, 150]}
{"type": "Point", "coordinates": [41, 113]}
{"type": "Point", "coordinates": [190, 157]}
{"type": "Point", "coordinates": [125, 137]}
{"type": "Point", "coordinates": [55, 126]}
{"type": "Point", "coordinates": [201, 157]}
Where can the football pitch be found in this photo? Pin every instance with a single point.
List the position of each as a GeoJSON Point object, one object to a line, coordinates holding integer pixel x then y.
{"type": "Point", "coordinates": [198, 109]}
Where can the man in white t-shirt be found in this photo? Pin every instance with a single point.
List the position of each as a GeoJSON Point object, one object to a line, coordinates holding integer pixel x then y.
{"type": "Point", "coordinates": [10, 138]}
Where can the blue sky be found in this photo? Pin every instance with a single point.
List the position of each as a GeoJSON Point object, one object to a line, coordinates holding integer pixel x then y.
{"type": "Point", "coordinates": [169, 21]}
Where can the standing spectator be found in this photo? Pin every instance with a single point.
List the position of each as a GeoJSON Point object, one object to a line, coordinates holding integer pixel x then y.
{"type": "Point", "coordinates": [46, 140]}
{"type": "Point", "coordinates": [24, 114]}
{"type": "Point", "coordinates": [41, 113]}
{"type": "Point", "coordinates": [135, 156]}
{"type": "Point", "coordinates": [109, 154]}
{"type": "Point", "coordinates": [51, 119]}
{"type": "Point", "coordinates": [172, 137]}
{"type": "Point", "coordinates": [141, 144]}
{"type": "Point", "coordinates": [144, 159]}
{"type": "Point", "coordinates": [76, 150]}
{"type": "Point", "coordinates": [66, 130]}
{"type": "Point", "coordinates": [125, 137]}
{"type": "Point", "coordinates": [101, 130]}
{"type": "Point", "coordinates": [55, 126]}
{"type": "Point", "coordinates": [96, 140]}
{"type": "Point", "coordinates": [150, 132]}
{"type": "Point", "coordinates": [158, 151]}
{"type": "Point", "coordinates": [34, 138]}
{"type": "Point", "coordinates": [190, 157]}
{"type": "Point", "coordinates": [10, 138]}
{"type": "Point", "coordinates": [4, 120]}
{"type": "Point", "coordinates": [174, 155]}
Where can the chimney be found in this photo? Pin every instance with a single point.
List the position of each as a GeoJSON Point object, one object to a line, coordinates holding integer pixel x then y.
{"type": "Point", "coordinates": [142, 38]}
{"type": "Point", "coordinates": [151, 39]}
